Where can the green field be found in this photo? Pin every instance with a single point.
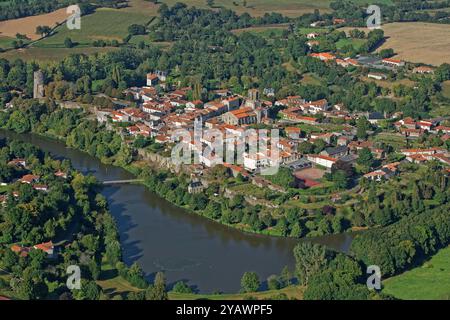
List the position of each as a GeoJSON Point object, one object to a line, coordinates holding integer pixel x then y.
{"type": "Point", "coordinates": [6, 42]}
{"type": "Point", "coordinates": [431, 281]}
{"type": "Point", "coordinates": [105, 24]}
{"type": "Point", "coordinates": [356, 43]}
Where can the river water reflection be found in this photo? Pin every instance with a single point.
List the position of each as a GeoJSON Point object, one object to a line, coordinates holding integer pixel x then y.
{"type": "Point", "coordinates": [160, 236]}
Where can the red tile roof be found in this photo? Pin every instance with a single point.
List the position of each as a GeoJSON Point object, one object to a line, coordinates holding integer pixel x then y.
{"type": "Point", "coordinates": [29, 178]}
{"type": "Point", "coordinates": [46, 246]}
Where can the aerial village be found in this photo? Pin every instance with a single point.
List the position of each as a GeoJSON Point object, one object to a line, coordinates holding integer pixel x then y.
{"type": "Point", "coordinates": [162, 110]}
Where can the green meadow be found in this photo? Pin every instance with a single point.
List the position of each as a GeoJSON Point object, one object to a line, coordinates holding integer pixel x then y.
{"type": "Point", "coordinates": [430, 281]}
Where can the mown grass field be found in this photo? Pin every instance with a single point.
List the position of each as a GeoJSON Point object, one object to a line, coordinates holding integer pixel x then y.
{"type": "Point", "coordinates": [431, 281]}
{"type": "Point", "coordinates": [6, 42]}
{"type": "Point", "coordinates": [356, 43]}
{"type": "Point", "coordinates": [417, 41]}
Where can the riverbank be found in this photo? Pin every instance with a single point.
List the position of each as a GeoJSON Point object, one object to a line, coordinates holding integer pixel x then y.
{"type": "Point", "coordinates": [163, 237]}
{"type": "Point", "coordinates": [135, 168]}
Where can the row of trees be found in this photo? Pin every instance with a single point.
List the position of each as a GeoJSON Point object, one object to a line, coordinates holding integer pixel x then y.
{"type": "Point", "coordinates": [405, 243]}
{"type": "Point", "coordinates": [23, 8]}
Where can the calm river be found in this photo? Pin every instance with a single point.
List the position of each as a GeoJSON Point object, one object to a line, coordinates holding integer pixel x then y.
{"type": "Point", "coordinates": [162, 237]}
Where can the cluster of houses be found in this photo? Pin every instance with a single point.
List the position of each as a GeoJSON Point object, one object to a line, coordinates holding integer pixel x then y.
{"type": "Point", "coordinates": [412, 128]}
{"type": "Point", "coordinates": [347, 62]}
{"type": "Point", "coordinates": [46, 247]}
{"type": "Point", "coordinates": [30, 179]}
{"type": "Point", "coordinates": [162, 110]}
{"type": "Point", "coordinates": [424, 155]}
{"type": "Point", "coordinates": [365, 61]}
{"type": "Point", "coordinates": [33, 180]}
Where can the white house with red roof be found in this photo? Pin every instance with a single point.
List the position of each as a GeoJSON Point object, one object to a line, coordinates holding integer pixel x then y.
{"type": "Point", "coordinates": [47, 247]}
{"type": "Point", "coordinates": [384, 173]}
{"type": "Point", "coordinates": [152, 79]}
{"type": "Point", "coordinates": [324, 56]}
{"type": "Point", "coordinates": [443, 129]}
{"type": "Point", "coordinates": [393, 62]}
{"type": "Point", "coordinates": [40, 187]}
{"type": "Point", "coordinates": [321, 160]}
{"type": "Point", "coordinates": [29, 178]}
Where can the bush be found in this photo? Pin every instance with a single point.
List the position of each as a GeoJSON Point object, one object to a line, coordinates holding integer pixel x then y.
{"type": "Point", "coordinates": [273, 282]}
{"type": "Point", "coordinates": [181, 287]}
{"type": "Point", "coordinates": [250, 282]}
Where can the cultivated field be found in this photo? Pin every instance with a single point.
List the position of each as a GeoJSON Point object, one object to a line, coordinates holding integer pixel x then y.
{"type": "Point", "coordinates": [430, 281]}
{"type": "Point", "coordinates": [104, 24]}
{"type": "Point", "coordinates": [27, 26]}
{"type": "Point", "coordinates": [417, 41]}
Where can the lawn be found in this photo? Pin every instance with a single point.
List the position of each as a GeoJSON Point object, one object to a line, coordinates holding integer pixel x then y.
{"type": "Point", "coordinates": [356, 43]}
{"type": "Point", "coordinates": [431, 281]}
{"type": "Point", "coordinates": [398, 142]}
{"type": "Point", "coordinates": [112, 284]}
{"type": "Point", "coordinates": [6, 42]}
{"type": "Point", "coordinates": [251, 190]}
